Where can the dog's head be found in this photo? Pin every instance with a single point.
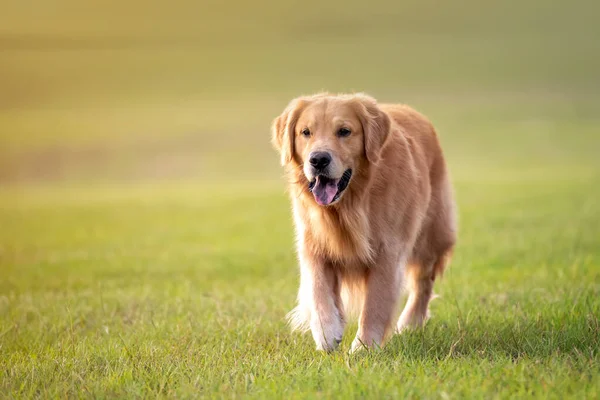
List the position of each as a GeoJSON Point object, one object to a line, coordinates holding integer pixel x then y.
{"type": "Point", "coordinates": [330, 138]}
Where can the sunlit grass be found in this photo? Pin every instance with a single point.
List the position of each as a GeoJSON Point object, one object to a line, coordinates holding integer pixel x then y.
{"type": "Point", "coordinates": [181, 289]}
{"type": "Point", "coordinates": [146, 244]}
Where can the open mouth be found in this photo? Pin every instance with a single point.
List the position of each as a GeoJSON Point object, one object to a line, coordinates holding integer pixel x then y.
{"type": "Point", "coordinates": [327, 190]}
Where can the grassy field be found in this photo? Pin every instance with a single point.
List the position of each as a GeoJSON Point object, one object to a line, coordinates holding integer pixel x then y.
{"type": "Point", "coordinates": [146, 244]}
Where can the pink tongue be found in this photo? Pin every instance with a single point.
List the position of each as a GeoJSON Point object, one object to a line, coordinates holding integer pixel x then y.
{"type": "Point", "coordinates": [325, 190]}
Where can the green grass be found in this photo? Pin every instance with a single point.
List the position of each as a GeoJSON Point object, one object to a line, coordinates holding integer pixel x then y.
{"type": "Point", "coordinates": [146, 242]}
{"type": "Point", "coordinates": [179, 290]}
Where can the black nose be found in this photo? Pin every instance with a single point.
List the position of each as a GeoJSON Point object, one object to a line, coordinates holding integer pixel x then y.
{"type": "Point", "coordinates": [319, 159]}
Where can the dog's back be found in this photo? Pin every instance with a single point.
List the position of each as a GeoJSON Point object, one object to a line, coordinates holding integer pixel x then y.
{"type": "Point", "coordinates": [437, 236]}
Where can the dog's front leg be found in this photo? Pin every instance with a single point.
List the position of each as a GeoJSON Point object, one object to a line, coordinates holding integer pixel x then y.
{"type": "Point", "coordinates": [383, 286]}
{"type": "Point", "coordinates": [323, 291]}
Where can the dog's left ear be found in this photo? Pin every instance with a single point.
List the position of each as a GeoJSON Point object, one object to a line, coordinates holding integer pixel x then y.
{"type": "Point", "coordinates": [283, 130]}
{"type": "Point", "coordinates": [376, 126]}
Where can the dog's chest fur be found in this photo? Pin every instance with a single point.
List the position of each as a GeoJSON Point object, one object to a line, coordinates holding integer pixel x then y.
{"type": "Point", "coordinates": [339, 235]}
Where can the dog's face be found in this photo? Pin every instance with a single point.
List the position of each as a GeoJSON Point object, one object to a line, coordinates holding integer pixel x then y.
{"type": "Point", "coordinates": [330, 138]}
{"type": "Point", "coordinates": [328, 142]}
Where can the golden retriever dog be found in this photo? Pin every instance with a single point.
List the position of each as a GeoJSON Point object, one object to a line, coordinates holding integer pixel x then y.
{"type": "Point", "coordinates": [374, 213]}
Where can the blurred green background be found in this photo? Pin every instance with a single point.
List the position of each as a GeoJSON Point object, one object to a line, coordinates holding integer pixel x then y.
{"type": "Point", "coordinates": [117, 90]}
{"type": "Point", "coordinates": [146, 243]}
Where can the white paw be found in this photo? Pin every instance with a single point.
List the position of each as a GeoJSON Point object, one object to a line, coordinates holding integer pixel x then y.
{"type": "Point", "coordinates": [327, 333]}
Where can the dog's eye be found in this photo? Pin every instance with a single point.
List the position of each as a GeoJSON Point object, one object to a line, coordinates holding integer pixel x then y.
{"type": "Point", "coordinates": [343, 132]}
{"type": "Point", "coordinates": [306, 132]}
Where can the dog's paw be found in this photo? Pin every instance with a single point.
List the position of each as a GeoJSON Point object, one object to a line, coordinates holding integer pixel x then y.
{"type": "Point", "coordinates": [327, 334]}
{"type": "Point", "coordinates": [328, 346]}
{"type": "Point", "coordinates": [412, 321]}
{"type": "Point", "coordinates": [359, 345]}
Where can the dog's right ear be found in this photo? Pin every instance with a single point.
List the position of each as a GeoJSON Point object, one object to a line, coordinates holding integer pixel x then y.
{"type": "Point", "coordinates": [283, 130]}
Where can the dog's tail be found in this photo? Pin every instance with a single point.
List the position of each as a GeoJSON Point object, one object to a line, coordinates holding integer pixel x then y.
{"type": "Point", "coordinates": [442, 263]}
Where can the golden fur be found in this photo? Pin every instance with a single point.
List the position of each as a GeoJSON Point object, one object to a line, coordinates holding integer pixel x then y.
{"type": "Point", "coordinates": [393, 227]}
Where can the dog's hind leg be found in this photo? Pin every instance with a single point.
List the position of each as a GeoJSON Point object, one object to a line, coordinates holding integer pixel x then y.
{"type": "Point", "coordinates": [419, 278]}
{"type": "Point", "coordinates": [419, 281]}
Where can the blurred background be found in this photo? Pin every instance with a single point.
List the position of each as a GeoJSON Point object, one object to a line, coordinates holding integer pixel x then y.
{"type": "Point", "coordinates": [146, 243]}
{"type": "Point", "coordinates": [110, 90]}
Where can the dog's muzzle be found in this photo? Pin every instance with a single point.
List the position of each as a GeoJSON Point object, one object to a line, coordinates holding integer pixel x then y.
{"type": "Point", "coordinates": [328, 190]}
